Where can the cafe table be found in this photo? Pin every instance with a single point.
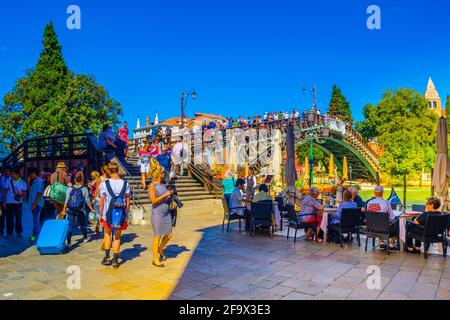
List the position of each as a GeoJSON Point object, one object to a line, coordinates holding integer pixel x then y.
{"type": "Point", "coordinates": [403, 216]}
{"type": "Point", "coordinates": [328, 210]}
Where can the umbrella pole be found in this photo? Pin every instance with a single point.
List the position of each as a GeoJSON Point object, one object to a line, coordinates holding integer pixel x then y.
{"type": "Point", "coordinates": [432, 187]}
{"type": "Point", "coordinates": [404, 191]}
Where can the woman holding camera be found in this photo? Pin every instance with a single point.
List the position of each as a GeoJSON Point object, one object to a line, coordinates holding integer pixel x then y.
{"type": "Point", "coordinates": [161, 219]}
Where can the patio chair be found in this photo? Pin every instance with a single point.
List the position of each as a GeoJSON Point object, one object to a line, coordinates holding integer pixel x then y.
{"type": "Point", "coordinates": [227, 215]}
{"type": "Point", "coordinates": [418, 208]}
{"type": "Point", "coordinates": [434, 231]}
{"type": "Point", "coordinates": [377, 224]}
{"type": "Point", "coordinates": [350, 222]}
{"type": "Point", "coordinates": [283, 210]}
{"type": "Point", "coordinates": [296, 223]}
{"type": "Point", "coordinates": [261, 215]}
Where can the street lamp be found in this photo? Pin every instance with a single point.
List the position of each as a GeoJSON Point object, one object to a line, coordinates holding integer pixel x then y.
{"type": "Point", "coordinates": [313, 135]}
{"type": "Point", "coordinates": [350, 169]}
{"type": "Point", "coordinates": [184, 100]}
{"type": "Point", "coordinates": [313, 92]}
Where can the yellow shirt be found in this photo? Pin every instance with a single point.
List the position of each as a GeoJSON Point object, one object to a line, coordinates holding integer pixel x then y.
{"type": "Point", "coordinates": [261, 196]}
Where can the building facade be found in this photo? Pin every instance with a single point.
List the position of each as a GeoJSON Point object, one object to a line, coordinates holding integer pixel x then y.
{"type": "Point", "coordinates": [434, 100]}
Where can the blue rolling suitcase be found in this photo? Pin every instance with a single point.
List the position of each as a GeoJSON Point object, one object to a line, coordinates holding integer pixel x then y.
{"type": "Point", "coordinates": [53, 237]}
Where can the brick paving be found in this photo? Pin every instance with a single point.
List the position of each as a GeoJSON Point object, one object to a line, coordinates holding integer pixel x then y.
{"type": "Point", "coordinates": [205, 263]}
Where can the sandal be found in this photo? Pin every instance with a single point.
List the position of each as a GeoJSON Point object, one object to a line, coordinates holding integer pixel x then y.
{"type": "Point", "coordinates": [115, 263]}
{"type": "Point", "coordinates": [106, 261]}
{"type": "Point", "coordinates": [159, 264]}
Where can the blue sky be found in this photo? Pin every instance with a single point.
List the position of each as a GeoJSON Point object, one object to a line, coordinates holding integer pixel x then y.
{"type": "Point", "coordinates": [242, 57]}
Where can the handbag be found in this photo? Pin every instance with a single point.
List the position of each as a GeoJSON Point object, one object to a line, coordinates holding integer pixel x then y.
{"type": "Point", "coordinates": [46, 194]}
{"type": "Point", "coordinates": [17, 198]}
{"type": "Point", "coordinates": [58, 191]}
{"type": "Point", "coordinates": [173, 216]}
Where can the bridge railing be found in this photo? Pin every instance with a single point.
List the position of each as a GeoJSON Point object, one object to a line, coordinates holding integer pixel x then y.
{"type": "Point", "coordinates": [56, 148]}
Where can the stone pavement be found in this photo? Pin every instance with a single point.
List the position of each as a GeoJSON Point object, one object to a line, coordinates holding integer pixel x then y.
{"type": "Point", "coordinates": [205, 263]}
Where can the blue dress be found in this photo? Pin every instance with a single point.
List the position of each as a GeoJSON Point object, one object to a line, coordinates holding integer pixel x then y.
{"type": "Point", "coordinates": [161, 219]}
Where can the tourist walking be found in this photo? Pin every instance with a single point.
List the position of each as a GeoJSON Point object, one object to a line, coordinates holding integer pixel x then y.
{"type": "Point", "coordinates": [60, 176]}
{"type": "Point", "coordinates": [35, 200]}
{"type": "Point", "coordinates": [105, 176]}
{"type": "Point", "coordinates": [123, 134]}
{"type": "Point", "coordinates": [3, 180]}
{"type": "Point", "coordinates": [48, 210]}
{"type": "Point", "coordinates": [161, 219]}
{"type": "Point", "coordinates": [114, 208]}
{"type": "Point", "coordinates": [177, 156]}
{"type": "Point", "coordinates": [144, 159]}
{"type": "Point", "coordinates": [15, 191]}
{"type": "Point", "coordinates": [166, 162]}
{"type": "Point", "coordinates": [77, 199]}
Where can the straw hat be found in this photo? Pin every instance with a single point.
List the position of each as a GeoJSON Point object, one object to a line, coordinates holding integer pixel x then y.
{"type": "Point", "coordinates": [61, 165]}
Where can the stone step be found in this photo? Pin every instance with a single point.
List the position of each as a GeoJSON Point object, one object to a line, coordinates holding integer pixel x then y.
{"type": "Point", "coordinates": [146, 200]}
{"type": "Point", "coordinates": [179, 191]}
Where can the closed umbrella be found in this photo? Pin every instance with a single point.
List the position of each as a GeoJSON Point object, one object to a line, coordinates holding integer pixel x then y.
{"type": "Point", "coordinates": [232, 153]}
{"type": "Point", "coordinates": [331, 173]}
{"type": "Point", "coordinates": [306, 174]}
{"type": "Point", "coordinates": [441, 168]}
{"type": "Point", "coordinates": [289, 172]}
{"type": "Point", "coordinates": [345, 169]}
{"type": "Point", "coordinates": [277, 158]}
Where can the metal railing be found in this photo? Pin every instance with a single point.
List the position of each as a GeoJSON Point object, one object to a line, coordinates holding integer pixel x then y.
{"type": "Point", "coordinates": [56, 148]}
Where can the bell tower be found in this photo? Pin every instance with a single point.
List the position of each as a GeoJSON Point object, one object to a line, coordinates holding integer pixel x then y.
{"type": "Point", "coordinates": [434, 101]}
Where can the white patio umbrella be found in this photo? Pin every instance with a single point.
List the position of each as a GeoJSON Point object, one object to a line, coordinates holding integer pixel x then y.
{"type": "Point", "coordinates": [232, 153]}
{"type": "Point", "coordinates": [441, 168]}
{"type": "Point", "coordinates": [277, 158]}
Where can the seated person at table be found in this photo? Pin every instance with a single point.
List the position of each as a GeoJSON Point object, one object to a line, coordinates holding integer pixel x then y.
{"type": "Point", "coordinates": [347, 204]}
{"type": "Point", "coordinates": [357, 198]}
{"type": "Point", "coordinates": [238, 202]}
{"type": "Point", "coordinates": [310, 205]}
{"type": "Point", "coordinates": [379, 204]}
{"type": "Point", "coordinates": [263, 194]}
{"type": "Point", "coordinates": [432, 206]}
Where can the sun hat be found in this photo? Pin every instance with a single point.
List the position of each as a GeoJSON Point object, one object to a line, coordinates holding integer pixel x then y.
{"type": "Point", "coordinates": [61, 165]}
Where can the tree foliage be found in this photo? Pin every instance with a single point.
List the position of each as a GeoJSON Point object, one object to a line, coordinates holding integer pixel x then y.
{"type": "Point", "coordinates": [406, 129]}
{"type": "Point", "coordinates": [339, 107]}
{"type": "Point", "coordinates": [52, 100]}
{"type": "Point", "coordinates": [320, 157]}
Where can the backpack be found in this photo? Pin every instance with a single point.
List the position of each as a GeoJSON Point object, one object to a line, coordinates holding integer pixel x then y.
{"type": "Point", "coordinates": [58, 191]}
{"type": "Point", "coordinates": [76, 199]}
{"type": "Point", "coordinates": [116, 216]}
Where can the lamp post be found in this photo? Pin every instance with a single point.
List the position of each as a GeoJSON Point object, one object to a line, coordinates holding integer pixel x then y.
{"type": "Point", "coordinates": [184, 100]}
{"type": "Point", "coordinates": [350, 169]}
{"type": "Point", "coordinates": [313, 135]}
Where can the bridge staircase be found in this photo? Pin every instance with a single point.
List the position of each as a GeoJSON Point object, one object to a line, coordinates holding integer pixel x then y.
{"type": "Point", "coordinates": [195, 186]}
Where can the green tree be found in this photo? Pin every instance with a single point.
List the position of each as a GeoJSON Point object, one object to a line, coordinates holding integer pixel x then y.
{"type": "Point", "coordinates": [320, 157]}
{"type": "Point", "coordinates": [339, 107]}
{"type": "Point", "coordinates": [406, 129]}
{"type": "Point", "coordinates": [53, 100]}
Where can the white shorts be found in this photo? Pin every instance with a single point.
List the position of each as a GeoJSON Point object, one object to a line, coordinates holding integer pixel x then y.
{"type": "Point", "coordinates": [145, 167]}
